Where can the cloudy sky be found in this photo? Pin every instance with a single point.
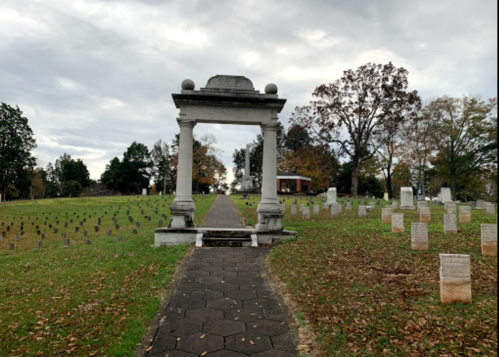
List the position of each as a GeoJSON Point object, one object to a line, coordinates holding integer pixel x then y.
{"type": "Point", "coordinates": [94, 76]}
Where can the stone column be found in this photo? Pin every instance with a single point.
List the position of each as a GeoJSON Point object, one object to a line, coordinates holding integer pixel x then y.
{"type": "Point", "coordinates": [182, 208]}
{"type": "Point", "coordinates": [269, 211]}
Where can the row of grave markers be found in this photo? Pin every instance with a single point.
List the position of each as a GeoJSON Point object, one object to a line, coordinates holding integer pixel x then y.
{"type": "Point", "coordinates": [455, 272]}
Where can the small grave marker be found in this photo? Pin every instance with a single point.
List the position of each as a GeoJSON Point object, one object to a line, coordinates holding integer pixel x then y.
{"type": "Point", "coordinates": [489, 239]}
{"type": "Point", "coordinates": [464, 214]}
{"type": "Point", "coordinates": [397, 223]}
{"type": "Point", "coordinates": [450, 223]}
{"type": "Point", "coordinates": [455, 278]}
{"type": "Point", "coordinates": [362, 211]}
{"type": "Point", "coordinates": [419, 236]}
{"type": "Point", "coordinates": [386, 215]}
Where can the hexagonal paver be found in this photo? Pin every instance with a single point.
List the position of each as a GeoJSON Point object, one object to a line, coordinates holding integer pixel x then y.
{"type": "Point", "coordinates": [254, 287]}
{"type": "Point", "coordinates": [240, 294]}
{"type": "Point", "coordinates": [178, 294]}
{"type": "Point", "coordinates": [243, 315]}
{"type": "Point", "coordinates": [173, 354]}
{"type": "Point", "coordinates": [284, 342]}
{"type": "Point", "coordinates": [239, 280]}
{"type": "Point", "coordinates": [165, 343]}
{"type": "Point", "coordinates": [190, 287]}
{"type": "Point", "coordinates": [223, 287]}
{"type": "Point", "coordinates": [207, 295]}
{"type": "Point", "coordinates": [261, 304]}
{"type": "Point", "coordinates": [200, 343]}
{"type": "Point", "coordinates": [274, 353]}
{"type": "Point", "coordinates": [225, 353]}
{"type": "Point", "coordinates": [275, 314]}
{"type": "Point", "coordinates": [224, 304]}
{"type": "Point", "coordinates": [267, 327]}
{"type": "Point", "coordinates": [187, 304]}
{"type": "Point", "coordinates": [248, 343]}
{"type": "Point", "coordinates": [224, 327]}
{"type": "Point", "coordinates": [180, 327]}
{"type": "Point", "coordinates": [209, 279]}
{"type": "Point", "coordinates": [204, 315]}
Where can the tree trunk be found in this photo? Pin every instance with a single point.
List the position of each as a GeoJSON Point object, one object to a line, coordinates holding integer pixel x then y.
{"type": "Point", "coordinates": [453, 180]}
{"type": "Point", "coordinates": [389, 188]}
{"type": "Point", "coordinates": [354, 190]}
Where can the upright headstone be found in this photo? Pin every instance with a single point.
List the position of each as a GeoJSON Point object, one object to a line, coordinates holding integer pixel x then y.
{"type": "Point", "coordinates": [395, 204]}
{"type": "Point", "coordinates": [348, 206]}
{"type": "Point", "coordinates": [455, 278]}
{"type": "Point", "coordinates": [397, 223]}
{"type": "Point", "coordinates": [335, 210]}
{"type": "Point", "coordinates": [490, 208]}
{"type": "Point", "coordinates": [406, 198]}
{"type": "Point", "coordinates": [315, 209]}
{"type": "Point", "coordinates": [144, 192]}
{"type": "Point", "coordinates": [451, 207]}
{"type": "Point", "coordinates": [293, 209]}
{"type": "Point", "coordinates": [421, 204]}
{"type": "Point", "coordinates": [385, 196]}
{"type": "Point", "coordinates": [445, 194]}
{"type": "Point", "coordinates": [419, 236]}
{"type": "Point", "coordinates": [305, 213]}
{"type": "Point", "coordinates": [425, 215]}
{"type": "Point", "coordinates": [362, 211]}
{"type": "Point", "coordinates": [386, 215]}
{"type": "Point", "coordinates": [331, 196]}
{"type": "Point", "coordinates": [489, 239]}
{"type": "Point", "coordinates": [464, 214]}
{"type": "Point", "coordinates": [480, 204]}
{"type": "Point", "coordinates": [450, 223]}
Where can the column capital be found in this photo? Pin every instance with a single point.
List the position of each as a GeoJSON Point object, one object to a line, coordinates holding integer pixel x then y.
{"type": "Point", "coordinates": [269, 126]}
{"type": "Point", "coordinates": [186, 123]}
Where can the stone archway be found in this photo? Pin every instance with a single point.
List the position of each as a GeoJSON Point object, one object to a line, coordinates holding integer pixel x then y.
{"type": "Point", "coordinates": [227, 100]}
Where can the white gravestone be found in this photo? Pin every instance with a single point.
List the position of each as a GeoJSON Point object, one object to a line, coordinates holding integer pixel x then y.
{"type": "Point", "coordinates": [455, 278]}
{"type": "Point", "coordinates": [305, 213]}
{"type": "Point", "coordinates": [425, 215]}
{"type": "Point", "coordinates": [406, 198]}
{"type": "Point", "coordinates": [489, 239]}
{"type": "Point", "coordinates": [395, 204]}
{"type": "Point", "coordinates": [293, 209]}
{"type": "Point", "coordinates": [385, 196]}
{"type": "Point", "coordinates": [362, 211]}
{"type": "Point", "coordinates": [464, 214]}
{"type": "Point", "coordinates": [450, 223]}
{"type": "Point", "coordinates": [451, 208]}
{"type": "Point", "coordinates": [335, 210]}
{"type": "Point", "coordinates": [419, 236]}
{"type": "Point", "coordinates": [422, 204]}
{"type": "Point", "coordinates": [480, 204]}
{"type": "Point", "coordinates": [490, 208]}
{"type": "Point", "coordinates": [144, 192]}
{"type": "Point", "coordinates": [331, 195]}
{"type": "Point", "coordinates": [445, 194]}
{"type": "Point", "coordinates": [348, 206]}
{"type": "Point", "coordinates": [386, 215]}
{"type": "Point", "coordinates": [315, 209]}
{"type": "Point", "coordinates": [397, 223]}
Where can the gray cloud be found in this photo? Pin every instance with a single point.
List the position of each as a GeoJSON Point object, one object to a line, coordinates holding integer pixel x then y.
{"type": "Point", "coordinates": [94, 76]}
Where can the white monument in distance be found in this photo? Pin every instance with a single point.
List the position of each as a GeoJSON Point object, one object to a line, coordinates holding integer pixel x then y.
{"type": "Point", "coordinates": [406, 198]}
{"type": "Point", "coordinates": [445, 194]}
{"type": "Point", "coordinates": [247, 180]}
{"type": "Point", "coordinates": [331, 196]}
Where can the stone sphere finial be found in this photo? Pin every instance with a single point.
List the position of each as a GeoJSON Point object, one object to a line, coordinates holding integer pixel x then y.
{"type": "Point", "coordinates": [187, 84]}
{"type": "Point", "coordinates": [271, 88]}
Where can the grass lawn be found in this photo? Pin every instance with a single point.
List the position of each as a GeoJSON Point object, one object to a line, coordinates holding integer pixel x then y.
{"type": "Point", "coordinates": [365, 292]}
{"type": "Point", "coordinates": [83, 300]}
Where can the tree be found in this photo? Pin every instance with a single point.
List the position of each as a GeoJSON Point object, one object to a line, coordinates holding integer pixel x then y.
{"type": "Point", "coordinates": [465, 133]}
{"type": "Point", "coordinates": [162, 171]}
{"type": "Point", "coordinates": [16, 144]}
{"type": "Point", "coordinates": [352, 112]}
{"type": "Point", "coordinates": [135, 169]}
{"type": "Point", "coordinates": [111, 177]}
{"type": "Point", "coordinates": [72, 176]}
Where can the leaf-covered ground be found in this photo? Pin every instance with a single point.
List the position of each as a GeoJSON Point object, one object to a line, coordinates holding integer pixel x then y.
{"type": "Point", "coordinates": [365, 292]}
{"type": "Point", "coordinates": [83, 300]}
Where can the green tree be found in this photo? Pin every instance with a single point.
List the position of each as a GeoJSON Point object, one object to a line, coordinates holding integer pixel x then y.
{"type": "Point", "coordinates": [162, 170]}
{"type": "Point", "coordinates": [111, 177]}
{"type": "Point", "coordinates": [135, 169]}
{"type": "Point", "coordinates": [72, 176]}
{"type": "Point", "coordinates": [16, 144]}
{"type": "Point", "coordinates": [352, 112]}
{"type": "Point", "coordinates": [465, 134]}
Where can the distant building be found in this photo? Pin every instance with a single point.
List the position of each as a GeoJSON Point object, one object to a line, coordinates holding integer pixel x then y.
{"type": "Point", "coordinates": [292, 182]}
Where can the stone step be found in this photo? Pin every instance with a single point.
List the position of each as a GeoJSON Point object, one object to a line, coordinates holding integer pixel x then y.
{"type": "Point", "coordinates": [211, 238]}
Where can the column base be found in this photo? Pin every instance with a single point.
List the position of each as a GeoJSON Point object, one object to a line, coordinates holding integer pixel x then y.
{"type": "Point", "coordinates": [269, 219]}
{"type": "Point", "coordinates": [182, 214]}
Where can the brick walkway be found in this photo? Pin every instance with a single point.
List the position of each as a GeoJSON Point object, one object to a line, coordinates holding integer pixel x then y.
{"type": "Point", "coordinates": [222, 306]}
{"type": "Point", "coordinates": [222, 214]}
